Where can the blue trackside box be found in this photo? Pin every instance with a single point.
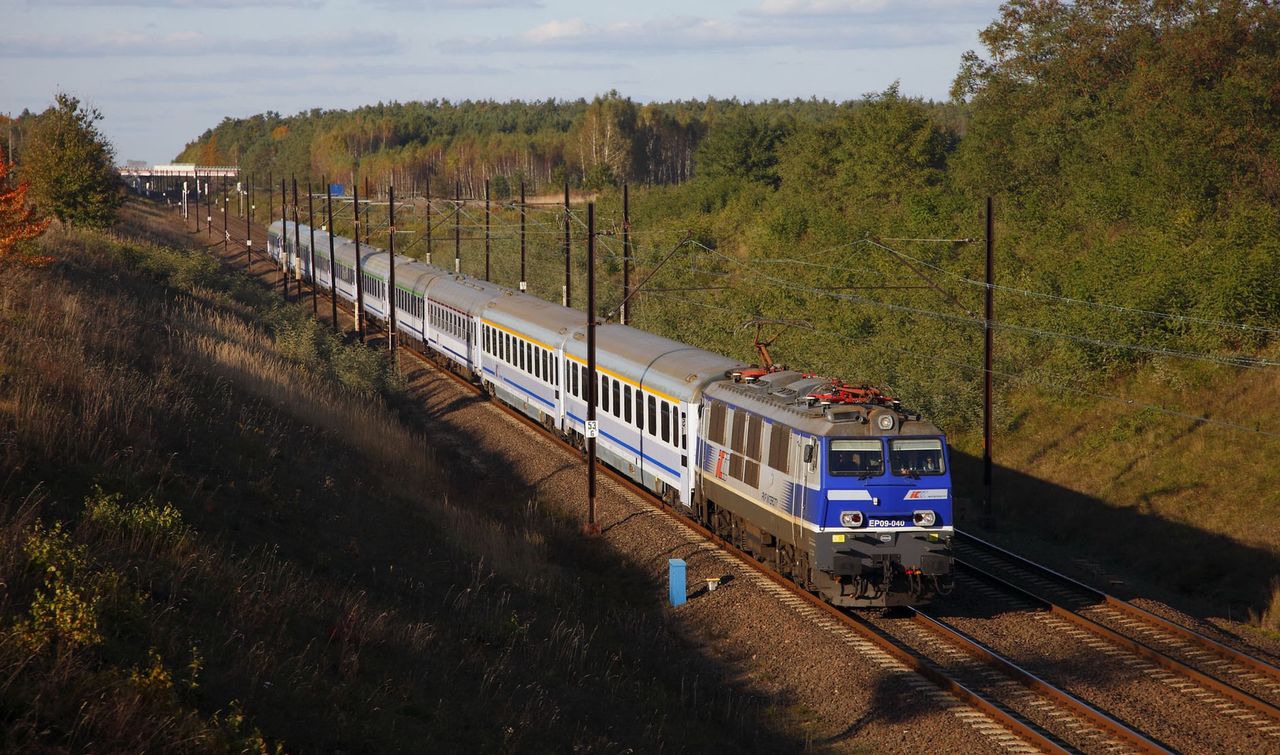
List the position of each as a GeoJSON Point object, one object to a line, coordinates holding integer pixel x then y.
{"type": "Point", "coordinates": [676, 576]}
{"type": "Point", "coordinates": [337, 189]}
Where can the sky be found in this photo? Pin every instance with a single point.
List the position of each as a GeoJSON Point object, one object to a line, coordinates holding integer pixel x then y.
{"type": "Point", "coordinates": [164, 71]}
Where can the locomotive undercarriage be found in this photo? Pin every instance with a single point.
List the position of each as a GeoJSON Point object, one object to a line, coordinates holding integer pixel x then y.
{"type": "Point", "coordinates": [865, 572]}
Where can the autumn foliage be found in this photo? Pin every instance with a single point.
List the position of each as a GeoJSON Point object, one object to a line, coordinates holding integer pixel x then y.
{"type": "Point", "coordinates": [18, 222]}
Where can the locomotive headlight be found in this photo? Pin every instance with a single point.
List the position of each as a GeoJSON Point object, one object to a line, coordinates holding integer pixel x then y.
{"type": "Point", "coordinates": [924, 518]}
{"type": "Point", "coordinates": [852, 519]}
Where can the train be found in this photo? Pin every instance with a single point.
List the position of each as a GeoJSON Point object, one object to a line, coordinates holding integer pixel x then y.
{"type": "Point", "coordinates": [838, 487]}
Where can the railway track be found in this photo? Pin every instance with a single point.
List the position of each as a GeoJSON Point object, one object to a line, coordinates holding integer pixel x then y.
{"type": "Point", "coordinates": [1016, 710]}
{"type": "Point", "coordinates": [1234, 683]}
{"type": "Point", "coordinates": [1077, 722]}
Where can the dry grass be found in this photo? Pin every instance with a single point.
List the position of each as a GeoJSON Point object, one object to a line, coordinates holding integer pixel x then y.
{"type": "Point", "coordinates": [1269, 618]}
{"type": "Point", "coordinates": [215, 535]}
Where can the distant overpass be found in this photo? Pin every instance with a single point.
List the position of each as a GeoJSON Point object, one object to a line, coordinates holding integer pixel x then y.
{"type": "Point", "coordinates": [178, 170]}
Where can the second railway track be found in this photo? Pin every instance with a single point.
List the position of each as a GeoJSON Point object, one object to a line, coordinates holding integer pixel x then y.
{"type": "Point", "coordinates": [1251, 684]}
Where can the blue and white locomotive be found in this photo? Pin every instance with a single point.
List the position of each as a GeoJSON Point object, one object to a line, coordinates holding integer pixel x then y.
{"type": "Point", "coordinates": [838, 487]}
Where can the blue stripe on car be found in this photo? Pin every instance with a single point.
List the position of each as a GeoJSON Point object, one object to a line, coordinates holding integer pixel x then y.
{"type": "Point", "coordinates": [513, 383]}
{"type": "Point", "coordinates": [629, 447]}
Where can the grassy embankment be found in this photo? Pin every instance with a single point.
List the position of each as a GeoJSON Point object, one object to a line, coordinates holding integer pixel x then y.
{"type": "Point", "coordinates": [215, 535]}
{"type": "Point", "coordinates": [1168, 500]}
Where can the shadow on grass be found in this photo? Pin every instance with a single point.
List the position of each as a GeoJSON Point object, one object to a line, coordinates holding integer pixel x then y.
{"type": "Point", "coordinates": [1107, 546]}
{"type": "Point", "coordinates": [342, 603]}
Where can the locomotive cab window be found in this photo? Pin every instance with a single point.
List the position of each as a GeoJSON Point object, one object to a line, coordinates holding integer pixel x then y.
{"type": "Point", "coordinates": [914, 457]}
{"type": "Point", "coordinates": [856, 457]}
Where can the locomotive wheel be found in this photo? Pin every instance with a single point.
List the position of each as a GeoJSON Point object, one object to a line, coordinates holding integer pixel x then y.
{"type": "Point", "coordinates": [786, 560]}
{"type": "Point", "coordinates": [725, 527]}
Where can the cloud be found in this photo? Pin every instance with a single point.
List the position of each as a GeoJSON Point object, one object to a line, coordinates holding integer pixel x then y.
{"type": "Point", "coordinates": [576, 35]}
{"type": "Point", "coordinates": [460, 5]}
{"type": "Point", "coordinates": [926, 10]}
{"type": "Point", "coordinates": [188, 43]}
{"type": "Point", "coordinates": [327, 70]}
{"type": "Point", "coordinates": [181, 4]}
{"type": "Point", "coordinates": [701, 35]}
{"type": "Point", "coordinates": [818, 7]}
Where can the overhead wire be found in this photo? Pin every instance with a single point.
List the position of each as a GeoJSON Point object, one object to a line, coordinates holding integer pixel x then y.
{"type": "Point", "coordinates": [1011, 377]}
{"type": "Point", "coordinates": [876, 242]}
{"type": "Point", "coordinates": [1244, 362]}
{"type": "Point", "coordinates": [1077, 301]}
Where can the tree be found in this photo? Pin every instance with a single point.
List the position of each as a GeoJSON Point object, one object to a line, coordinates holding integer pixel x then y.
{"type": "Point", "coordinates": [18, 222]}
{"type": "Point", "coordinates": [743, 144]}
{"type": "Point", "coordinates": [71, 166]}
{"type": "Point", "coordinates": [604, 137]}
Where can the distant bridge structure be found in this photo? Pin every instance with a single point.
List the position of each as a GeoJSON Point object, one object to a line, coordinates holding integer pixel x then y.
{"type": "Point", "coordinates": [179, 170]}
{"type": "Point", "coordinates": [181, 182]}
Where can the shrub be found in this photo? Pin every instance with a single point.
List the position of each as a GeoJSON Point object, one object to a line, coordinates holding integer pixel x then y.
{"type": "Point", "coordinates": [145, 517]}
{"type": "Point", "coordinates": [65, 608]}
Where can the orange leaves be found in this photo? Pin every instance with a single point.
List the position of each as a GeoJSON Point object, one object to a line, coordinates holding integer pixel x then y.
{"type": "Point", "coordinates": [18, 222]}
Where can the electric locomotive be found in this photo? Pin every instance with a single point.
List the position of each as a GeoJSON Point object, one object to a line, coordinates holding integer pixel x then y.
{"type": "Point", "coordinates": [840, 487]}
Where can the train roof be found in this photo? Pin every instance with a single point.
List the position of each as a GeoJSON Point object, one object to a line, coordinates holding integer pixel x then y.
{"type": "Point", "coordinates": [677, 370]}
{"type": "Point", "coordinates": [797, 400]}
{"type": "Point", "coordinates": [416, 276]}
{"type": "Point", "coordinates": [411, 275]}
{"type": "Point", "coordinates": [463, 293]}
{"type": "Point", "coordinates": [377, 262]}
{"type": "Point", "coordinates": [673, 369]}
{"type": "Point", "coordinates": [537, 319]}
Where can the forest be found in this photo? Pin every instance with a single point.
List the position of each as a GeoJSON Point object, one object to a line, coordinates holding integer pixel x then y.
{"type": "Point", "coordinates": [1131, 148]}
